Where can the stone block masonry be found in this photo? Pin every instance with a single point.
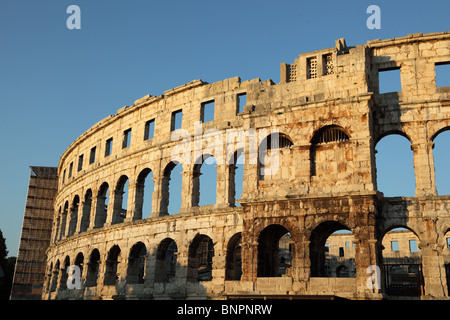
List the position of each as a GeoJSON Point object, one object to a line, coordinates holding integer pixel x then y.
{"type": "Point", "coordinates": [329, 113]}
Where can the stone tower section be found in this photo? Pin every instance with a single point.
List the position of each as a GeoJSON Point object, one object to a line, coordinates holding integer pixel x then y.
{"type": "Point", "coordinates": [29, 273]}
{"type": "Point", "coordinates": [309, 170]}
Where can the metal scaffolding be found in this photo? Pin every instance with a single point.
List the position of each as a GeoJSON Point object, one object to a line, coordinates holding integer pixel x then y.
{"type": "Point", "coordinates": [29, 273]}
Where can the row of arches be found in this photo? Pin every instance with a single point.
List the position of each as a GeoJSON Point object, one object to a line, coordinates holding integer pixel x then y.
{"type": "Point", "coordinates": [395, 176]}
{"type": "Point", "coordinates": [93, 211]}
{"type": "Point", "coordinates": [275, 258]}
{"type": "Point", "coordinates": [395, 165]}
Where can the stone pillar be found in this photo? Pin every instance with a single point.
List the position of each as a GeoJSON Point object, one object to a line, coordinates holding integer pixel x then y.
{"type": "Point", "coordinates": [79, 217]}
{"type": "Point", "coordinates": [157, 198]}
{"type": "Point", "coordinates": [138, 204]}
{"type": "Point", "coordinates": [132, 213]}
{"type": "Point", "coordinates": [424, 169]}
{"type": "Point", "coordinates": [301, 265]}
{"type": "Point", "coordinates": [433, 264]}
{"type": "Point", "coordinates": [249, 255]}
{"type": "Point", "coordinates": [188, 198]}
{"type": "Point", "coordinates": [225, 186]}
{"type": "Point", "coordinates": [367, 254]}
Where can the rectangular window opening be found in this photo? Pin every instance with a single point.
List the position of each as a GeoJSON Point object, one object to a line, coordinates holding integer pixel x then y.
{"type": "Point", "coordinates": [442, 71]}
{"type": "Point", "coordinates": [327, 63]}
{"type": "Point", "coordinates": [389, 80]}
{"type": "Point", "coordinates": [126, 138]}
{"type": "Point", "coordinates": [311, 64]}
{"type": "Point", "coordinates": [108, 147]}
{"type": "Point", "coordinates": [149, 130]}
{"type": "Point", "coordinates": [80, 163]}
{"type": "Point", "coordinates": [92, 156]}
{"type": "Point", "coordinates": [413, 246]}
{"type": "Point", "coordinates": [177, 118]}
{"type": "Point", "coordinates": [241, 102]}
{"type": "Point", "coordinates": [207, 111]}
{"type": "Point", "coordinates": [394, 246]}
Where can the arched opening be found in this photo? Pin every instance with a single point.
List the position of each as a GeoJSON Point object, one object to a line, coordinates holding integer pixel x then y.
{"type": "Point", "coordinates": [64, 276]}
{"type": "Point", "coordinates": [58, 225]}
{"type": "Point", "coordinates": [102, 205]}
{"type": "Point", "coordinates": [49, 278]}
{"type": "Point", "coordinates": [144, 192]}
{"type": "Point", "coordinates": [441, 155]}
{"type": "Point", "coordinates": [331, 246]}
{"type": "Point", "coordinates": [87, 204]}
{"type": "Point", "coordinates": [136, 264]}
{"type": "Point", "coordinates": [62, 230]}
{"type": "Point", "coordinates": [166, 260]}
{"type": "Point", "coordinates": [274, 252]}
{"type": "Point", "coordinates": [236, 177]}
{"type": "Point", "coordinates": [79, 261]}
{"type": "Point", "coordinates": [205, 181]}
{"type": "Point", "coordinates": [326, 153]}
{"type": "Point", "coordinates": [201, 253]}
{"type": "Point", "coordinates": [74, 216]}
{"type": "Point", "coordinates": [395, 167]}
{"type": "Point", "coordinates": [120, 200]}
{"type": "Point", "coordinates": [402, 263]}
{"type": "Point", "coordinates": [269, 156]}
{"type": "Point", "coordinates": [54, 282]}
{"type": "Point", "coordinates": [171, 189]}
{"type": "Point", "coordinates": [111, 266]}
{"type": "Point", "coordinates": [233, 260]}
{"type": "Point", "coordinates": [93, 267]}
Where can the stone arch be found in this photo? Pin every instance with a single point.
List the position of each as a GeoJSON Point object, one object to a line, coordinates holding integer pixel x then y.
{"type": "Point", "coordinates": [233, 260]}
{"type": "Point", "coordinates": [58, 225]}
{"type": "Point", "coordinates": [55, 276]}
{"type": "Point", "coordinates": [101, 209]}
{"type": "Point", "coordinates": [64, 214]}
{"type": "Point", "coordinates": [136, 263]}
{"type": "Point", "coordinates": [386, 133]}
{"type": "Point", "coordinates": [318, 248]}
{"type": "Point", "coordinates": [64, 276]}
{"type": "Point", "coordinates": [326, 155]}
{"type": "Point", "coordinates": [204, 184]}
{"type": "Point", "coordinates": [441, 159]}
{"type": "Point", "coordinates": [86, 211]}
{"type": "Point", "coordinates": [120, 208]}
{"type": "Point", "coordinates": [79, 261]}
{"type": "Point", "coordinates": [402, 262]}
{"type": "Point", "coordinates": [200, 258]}
{"type": "Point", "coordinates": [74, 215]}
{"type": "Point", "coordinates": [141, 198]}
{"type": "Point", "coordinates": [394, 158]}
{"type": "Point", "coordinates": [166, 260]}
{"type": "Point", "coordinates": [269, 155]}
{"type": "Point", "coordinates": [93, 268]}
{"type": "Point", "coordinates": [271, 256]}
{"type": "Point", "coordinates": [171, 192]}
{"type": "Point", "coordinates": [111, 263]}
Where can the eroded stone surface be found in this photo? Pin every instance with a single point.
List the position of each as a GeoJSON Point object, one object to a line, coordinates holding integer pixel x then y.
{"type": "Point", "coordinates": [327, 104]}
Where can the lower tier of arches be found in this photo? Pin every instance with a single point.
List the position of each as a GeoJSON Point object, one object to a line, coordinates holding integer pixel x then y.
{"type": "Point", "coordinates": [260, 249]}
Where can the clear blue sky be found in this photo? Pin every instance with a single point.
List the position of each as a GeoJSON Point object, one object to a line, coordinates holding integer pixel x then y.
{"type": "Point", "coordinates": [55, 83]}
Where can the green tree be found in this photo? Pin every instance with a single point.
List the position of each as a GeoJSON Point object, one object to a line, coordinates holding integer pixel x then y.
{"type": "Point", "coordinates": [7, 270]}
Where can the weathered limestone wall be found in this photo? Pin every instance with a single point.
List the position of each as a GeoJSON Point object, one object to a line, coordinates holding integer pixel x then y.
{"type": "Point", "coordinates": [328, 106]}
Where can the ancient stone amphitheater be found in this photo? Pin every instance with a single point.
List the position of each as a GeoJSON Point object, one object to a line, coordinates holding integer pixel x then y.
{"type": "Point", "coordinates": [307, 146]}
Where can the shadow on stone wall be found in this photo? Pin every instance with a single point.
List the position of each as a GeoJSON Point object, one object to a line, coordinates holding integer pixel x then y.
{"type": "Point", "coordinates": [158, 283]}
